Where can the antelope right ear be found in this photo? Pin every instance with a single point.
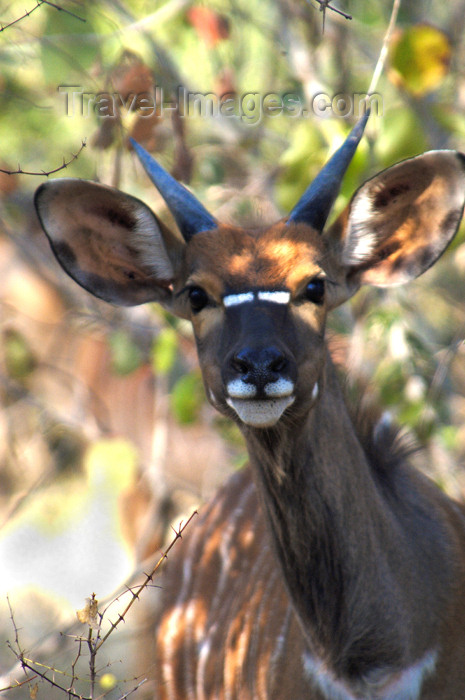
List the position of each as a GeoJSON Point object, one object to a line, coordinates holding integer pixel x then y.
{"type": "Point", "coordinates": [400, 222]}
{"type": "Point", "coordinates": [109, 242]}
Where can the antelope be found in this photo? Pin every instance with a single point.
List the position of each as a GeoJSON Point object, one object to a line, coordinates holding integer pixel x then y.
{"type": "Point", "coordinates": [330, 568]}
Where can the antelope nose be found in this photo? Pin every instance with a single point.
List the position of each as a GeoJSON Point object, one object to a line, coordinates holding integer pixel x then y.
{"type": "Point", "coordinates": [259, 366]}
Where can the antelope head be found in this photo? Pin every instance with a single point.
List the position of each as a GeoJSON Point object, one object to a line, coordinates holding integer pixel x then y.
{"type": "Point", "coordinates": [257, 298]}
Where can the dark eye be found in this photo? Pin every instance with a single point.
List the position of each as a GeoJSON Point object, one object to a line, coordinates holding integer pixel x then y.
{"type": "Point", "coordinates": [315, 291]}
{"type": "Point", "coordinates": [198, 298]}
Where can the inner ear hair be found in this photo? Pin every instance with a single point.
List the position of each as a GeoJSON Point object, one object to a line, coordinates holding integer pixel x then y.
{"type": "Point", "coordinates": [401, 221]}
{"type": "Point", "coordinates": [111, 243]}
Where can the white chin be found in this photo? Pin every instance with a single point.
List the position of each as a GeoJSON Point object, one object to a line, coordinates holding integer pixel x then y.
{"type": "Point", "coordinates": [260, 414]}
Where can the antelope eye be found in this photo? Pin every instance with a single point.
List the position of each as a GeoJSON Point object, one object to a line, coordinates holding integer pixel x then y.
{"type": "Point", "coordinates": [198, 298]}
{"type": "Point", "coordinates": [315, 291]}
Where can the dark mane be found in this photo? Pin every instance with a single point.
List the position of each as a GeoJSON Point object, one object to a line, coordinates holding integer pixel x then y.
{"type": "Point", "coordinates": [387, 446]}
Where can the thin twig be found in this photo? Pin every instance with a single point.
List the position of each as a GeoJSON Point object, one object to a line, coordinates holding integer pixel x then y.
{"type": "Point", "coordinates": [64, 165]}
{"type": "Point", "coordinates": [74, 676]}
{"type": "Point", "coordinates": [384, 49]}
{"type": "Point", "coordinates": [29, 12]}
{"type": "Point", "coordinates": [148, 579]}
{"type": "Point", "coordinates": [324, 5]}
{"type": "Point", "coordinates": [92, 656]}
{"type": "Point", "coordinates": [27, 663]}
{"type": "Point", "coordinates": [18, 684]}
{"type": "Point", "coordinates": [62, 9]}
{"type": "Point", "coordinates": [135, 689]}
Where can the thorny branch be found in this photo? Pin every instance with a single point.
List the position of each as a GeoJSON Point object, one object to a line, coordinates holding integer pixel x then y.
{"type": "Point", "coordinates": [148, 579]}
{"type": "Point", "coordinates": [64, 165]}
{"type": "Point", "coordinates": [29, 12]}
{"type": "Point", "coordinates": [26, 663]}
{"type": "Point", "coordinates": [44, 672]}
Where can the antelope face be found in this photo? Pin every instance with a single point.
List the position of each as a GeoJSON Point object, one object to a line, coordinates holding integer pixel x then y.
{"type": "Point", "coordinates": [258, 299]}
{"type": "Point", "coordinates": [258, 307]}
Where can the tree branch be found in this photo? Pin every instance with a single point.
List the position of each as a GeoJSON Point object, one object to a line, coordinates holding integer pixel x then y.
{"type": "Point", "coordinates": [29, 12]}
{"type": "Point", "coordinates": [64, 165]}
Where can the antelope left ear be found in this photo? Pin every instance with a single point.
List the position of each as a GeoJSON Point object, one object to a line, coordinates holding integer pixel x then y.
{"type": "Point", "coordinates": [110, 243]}
{"type": "Point", "coordinates": [400, 222]}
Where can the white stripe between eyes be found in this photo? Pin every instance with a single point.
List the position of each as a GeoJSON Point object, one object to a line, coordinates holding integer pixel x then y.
{"type": "Point", "coordinates": [276, 297]}
{"type": "Point", "coordinates": [247, 297]}
{"type": "Point", "coordinates": [235, 299]}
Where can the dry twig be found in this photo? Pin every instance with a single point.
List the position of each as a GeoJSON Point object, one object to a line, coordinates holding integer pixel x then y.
{"type": "Point", "coordinates": [29, 12]}
{"type": "Point", "coordinates": [93, 641]}
{"type": "Point", "coordinates": [325, 5]}
{"type": "Point", "coordinates": [64, 165]}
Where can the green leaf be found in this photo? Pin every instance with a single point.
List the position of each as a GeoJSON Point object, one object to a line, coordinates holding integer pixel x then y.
{"type": "Point", "coordinates": [164, 351]}
{"type": "Point", "coordinates": [125, 355]}
{"type": "Point", "coordinates": [187, 397]}
{"type": "Point", "coordinates": [19, 358]}
{"type": "Point", "coordinates": [70, 45]}
{"type": "Point", "coordinates": [401, 136]}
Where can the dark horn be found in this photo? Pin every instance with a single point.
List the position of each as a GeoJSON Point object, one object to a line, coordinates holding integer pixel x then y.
{"type": "Point", "coordinates": [189, 214]}
{"type": "Point", "coordinates": [315, 204]}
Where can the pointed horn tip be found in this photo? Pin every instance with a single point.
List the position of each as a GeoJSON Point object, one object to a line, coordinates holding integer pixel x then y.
{"type": "Point", "coordinates": [189, 214]}
{"type": "Point", "coordinates": [359, 128]}
{"type": "Point", "coordinates": [316, 202]}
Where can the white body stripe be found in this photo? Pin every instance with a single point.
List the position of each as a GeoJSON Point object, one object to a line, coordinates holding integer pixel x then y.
{"type": "Point", "coordinates": [280, 297]}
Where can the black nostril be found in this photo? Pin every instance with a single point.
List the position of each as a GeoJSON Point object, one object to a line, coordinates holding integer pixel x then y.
{"type": "Point", "coordinates": [240, 365]}
{"type": "Point", "coordinates": [279, 364]}
{"type": "Point", "coordinates": [259, 365]}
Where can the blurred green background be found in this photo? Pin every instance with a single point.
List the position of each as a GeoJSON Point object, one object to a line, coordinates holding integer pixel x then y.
{"type": "Point", "coordinates": [105, 434]}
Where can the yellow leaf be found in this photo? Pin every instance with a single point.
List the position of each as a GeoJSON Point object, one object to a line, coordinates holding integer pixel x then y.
{"type": "Point", "coordinates": [111, 463]}
{"type": "Point", "coordinates": [108, 681]}
{"type": "Point", "coordinates": [419, 59]}
{"type": "Point", "coordinates": [88, 614]}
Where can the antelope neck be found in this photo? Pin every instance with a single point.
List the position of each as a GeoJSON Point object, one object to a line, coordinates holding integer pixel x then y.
{"type": "Point", "coordinates": [344, 550]}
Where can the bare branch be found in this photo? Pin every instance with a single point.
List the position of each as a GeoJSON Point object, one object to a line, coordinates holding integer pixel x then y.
{"type": "Point", "coordinates": [18, 684]}
{"type": "Point", "coordinates": [29, 12]}
{"type": "Point", "coordinates": [64, 165]}
{"type": "Point", "coordinates": [62, 9]}
{"type": "Point", "coordinates": [384, 49]}
{"type": "Point", "coordinates": [324, 5]}
{"type": "Point", "coordinates": [148, 579]}
{"type": "Point", "coordinates": [26, 14]}
{"type": "Point", "coordinates": [30, 665]}
{"type": "Point", "coordinates": [134, 690]}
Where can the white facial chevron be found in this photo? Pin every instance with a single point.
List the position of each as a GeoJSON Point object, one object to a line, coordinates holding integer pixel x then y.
{"type": "Point", "coordinates": [280, 297]}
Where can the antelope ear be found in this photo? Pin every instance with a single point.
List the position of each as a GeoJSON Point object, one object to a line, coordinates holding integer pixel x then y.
{"type": "Point", "coordinates": [400, 222]}
{"type": "Point", "coordinates": [109, 242]}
